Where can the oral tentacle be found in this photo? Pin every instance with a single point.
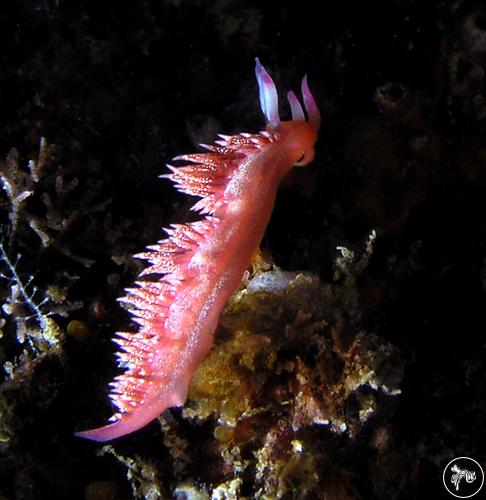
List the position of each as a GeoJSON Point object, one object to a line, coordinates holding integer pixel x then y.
{"type": "Point", "coordinates": [310, 105]}
{"type": "Point", "coordinates": [296, 108]}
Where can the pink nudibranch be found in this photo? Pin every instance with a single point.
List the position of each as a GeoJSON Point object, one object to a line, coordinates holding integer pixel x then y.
{"type": "Point", "coordinates": [202, 263]}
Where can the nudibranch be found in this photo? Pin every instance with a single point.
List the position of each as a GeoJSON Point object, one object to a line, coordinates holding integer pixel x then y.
{"type": "Point", "coordinates": [201, 263]}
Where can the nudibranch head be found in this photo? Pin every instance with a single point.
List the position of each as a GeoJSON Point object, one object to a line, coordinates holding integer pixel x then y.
{"type": "Point", "coordinates": [303, 132]}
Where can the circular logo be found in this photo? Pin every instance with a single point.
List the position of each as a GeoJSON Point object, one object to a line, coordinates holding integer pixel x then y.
{"type": "Point", "coordinates": [463, 477]}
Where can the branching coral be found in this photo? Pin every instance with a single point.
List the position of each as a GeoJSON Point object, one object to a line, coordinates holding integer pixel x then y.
{"type": "Point", "coordinates": [145, 478]}
{"type": "Point", "coordinates": [58, 191]}
{"type": "Point", "coordinates": [38, 334]}
{"type": "Point", "coordinates": [19, 298]}
{"type": "Point", "coordinates": [18, 185]}
{"type": "Point", "coordinates": [41, 203]}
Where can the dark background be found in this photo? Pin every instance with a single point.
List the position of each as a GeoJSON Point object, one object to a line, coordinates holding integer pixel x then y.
{"type": "Point", "coordinates": [120, 88]}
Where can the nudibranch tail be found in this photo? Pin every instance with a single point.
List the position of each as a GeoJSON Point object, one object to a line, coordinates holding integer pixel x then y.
{"type": "Point", "coordinates": [200, 264]}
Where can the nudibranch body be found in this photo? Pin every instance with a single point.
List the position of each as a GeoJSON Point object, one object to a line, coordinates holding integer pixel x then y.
{"type": "Point", "coordinates": [202, 263]}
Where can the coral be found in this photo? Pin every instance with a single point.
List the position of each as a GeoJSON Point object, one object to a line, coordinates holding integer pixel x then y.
{"type": "Point", "coordinates": [47, 332]}
{"type": "Point", "coordinates": [291, 371]}
{"type": "Point", "coordinates": [60, 207]}
{"type": "Point", "coordinates": [281, 373]}
{"type": "Point", "coordinates": [18, 186]}
{"type": "Point", "coordinates": [144, 477]}
{"type": "Point", "coordinates": [39, 336]}
{"type": "Point", "coordinates": [43, 207]}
